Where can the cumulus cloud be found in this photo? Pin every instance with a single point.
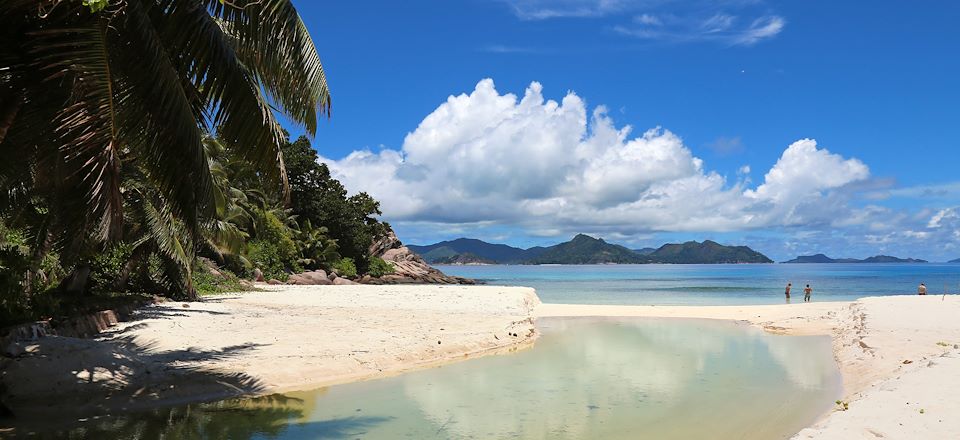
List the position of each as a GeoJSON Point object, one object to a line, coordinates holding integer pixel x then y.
{"type": "Point", "coordinates": [497, 158]}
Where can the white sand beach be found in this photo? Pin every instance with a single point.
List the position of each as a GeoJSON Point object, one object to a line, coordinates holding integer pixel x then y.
{"type": "Point", "coordinates": [899, 357]}
{"type": "Point", "coordinates": [287, 338]}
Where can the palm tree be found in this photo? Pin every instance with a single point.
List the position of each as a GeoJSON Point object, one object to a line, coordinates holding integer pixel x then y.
{"type": "Point", "coordinates": [92, 89]}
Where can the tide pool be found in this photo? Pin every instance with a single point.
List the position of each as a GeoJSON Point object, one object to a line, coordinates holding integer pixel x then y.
{"type": "Point", "coordinates": [585, 378]}
{"type": "Point", "coordinates": [715, 284]}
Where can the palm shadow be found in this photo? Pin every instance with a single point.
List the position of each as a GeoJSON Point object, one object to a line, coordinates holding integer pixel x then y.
{"type": "Point", "coordinates": [73, 378]}
{"type": "Point", "coordinates": [267, 416]}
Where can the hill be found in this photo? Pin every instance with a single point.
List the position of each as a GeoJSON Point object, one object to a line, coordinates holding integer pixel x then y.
{"type": "Point", "coordinates": [584, 249]}
{"type": "Point", "coordinates": [498, 253]}
{"type": "Point", "coordinates": [889, 259]}
{"type": "Point", "coordinates": [820, 258]}
{"type": "Point", "coordinates": [708, 252]}
{"type": "Point", "coordinates": [462, 259]}
{"type": "Point", "coordinates": [954, 261]}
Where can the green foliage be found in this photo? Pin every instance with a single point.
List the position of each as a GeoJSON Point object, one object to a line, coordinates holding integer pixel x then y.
{"type": "Point", "coordinates": [105, 108]}
{"type": "Point", "coordinates": [345, 267]}
{"type": "Point", "coordinates": [267, 257]}
{"type": "Point", "coordinates": [208, 283]}
{"type": "Point", "coordinates": [322, 200]}
{"type": "Point", "coordinates": [273, 250]}
{"type": "Point", "coordinates": [107, 269]}
{"type": "Point", "coordinates": [316, 248]}
{"type": "Point", "coordinates": [14, 264]}
{"type": "Point", "coordinates": [96, 5]}
{"type": "Point", "coordinates": [379, 267]}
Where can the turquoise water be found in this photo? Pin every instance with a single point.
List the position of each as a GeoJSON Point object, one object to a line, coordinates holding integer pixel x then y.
{"type": "Point", "coordinates": [584, 379]}
{"type": "Point", "coordinates": [715, 284]}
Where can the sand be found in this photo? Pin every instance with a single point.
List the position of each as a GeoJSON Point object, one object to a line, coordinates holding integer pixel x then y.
{"type": "Point", "coordinates": [897, 355]}
{"type": "Point", "coordinates": [286, 338]}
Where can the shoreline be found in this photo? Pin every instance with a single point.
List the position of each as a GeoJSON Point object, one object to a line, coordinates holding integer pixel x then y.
{"type": "Point", "coordinates": [281, 339]}
{"type": "Point", "coordinates": [897, 355]}
{"type": "Point", "coordinates": [290, 338]}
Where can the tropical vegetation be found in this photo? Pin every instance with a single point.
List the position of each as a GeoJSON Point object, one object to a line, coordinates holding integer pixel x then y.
{"type": "Point", "coordinates": [142, 151]}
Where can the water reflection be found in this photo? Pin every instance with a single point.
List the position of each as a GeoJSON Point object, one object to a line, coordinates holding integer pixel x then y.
{"type": "Point", "coordinates": [585, 378]}
{"type": "Point", "coordinates": [623, 378]}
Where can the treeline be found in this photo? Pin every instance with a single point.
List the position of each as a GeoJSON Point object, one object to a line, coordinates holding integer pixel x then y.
{"type": "Point", "coordinates": [258, 226]}
{"type": "Point", "coordinates": [139, 137]}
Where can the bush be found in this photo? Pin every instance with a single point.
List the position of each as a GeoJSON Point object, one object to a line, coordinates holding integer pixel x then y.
{"type": "Point", "coordinates": [207, 283]}
{"type": "Point", "coordinates": [106, 269]}
{"type": "Point", "coordinates": [345, 268]}
{"type": "Point", "coordinates": [378, 267]}
{"type": "Point", "coordinates": [273, 251]}
{"type": "Point", "coordinates": [267, 256]}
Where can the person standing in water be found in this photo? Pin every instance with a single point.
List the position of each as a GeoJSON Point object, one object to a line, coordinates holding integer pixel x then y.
{"type": "Point", "coordinates": [922, 290]}
{"type": "Point", "coordinates": [787, 292]}
{"type": "Point", "coordinates": [806, 293]}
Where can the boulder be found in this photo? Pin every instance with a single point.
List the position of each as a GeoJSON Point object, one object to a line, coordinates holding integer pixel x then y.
{"type": "Point", "coordinates": [342, 282]}
{"type": "Point", "coordinates": [299, 280]}
{"type": "Point", "coordinates": [258, 275]}
{"type": "Point", "coordinates": [318, 276]}
{"type": "Point", "coordinates": [313, 278]}
{"type": "Point", "coordinates": [274, 281]}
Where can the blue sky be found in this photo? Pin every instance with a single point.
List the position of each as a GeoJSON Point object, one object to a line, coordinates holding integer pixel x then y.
{"type": "Point", "coordinates": [731, 84]}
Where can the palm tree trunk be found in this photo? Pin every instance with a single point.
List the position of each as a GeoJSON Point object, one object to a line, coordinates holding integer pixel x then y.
{"type": "Point", "coordinates": [76, 282]}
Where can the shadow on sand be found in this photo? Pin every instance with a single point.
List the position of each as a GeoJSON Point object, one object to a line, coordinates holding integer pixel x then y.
{"type": "Point", "coordinates": [236, 419]}
{"type": "Point", "coordinates": [64, 379]}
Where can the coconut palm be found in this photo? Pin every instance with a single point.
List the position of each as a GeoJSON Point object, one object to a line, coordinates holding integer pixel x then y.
{"type": "Point", "coordinates": [92, 89]}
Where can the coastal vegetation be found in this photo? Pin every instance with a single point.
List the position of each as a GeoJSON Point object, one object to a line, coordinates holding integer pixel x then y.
{"type": "Point", "coordinates": [144, 153]}
{"type": "Point", "coordinates": [584, 249]}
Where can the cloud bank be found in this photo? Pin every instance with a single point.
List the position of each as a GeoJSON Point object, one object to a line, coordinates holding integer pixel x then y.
{"type": "Point", "coordinates": [554, 168]}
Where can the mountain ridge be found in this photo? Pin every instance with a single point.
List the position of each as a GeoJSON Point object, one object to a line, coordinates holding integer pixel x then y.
{"type": "Point", "coordinates": [584, 249]}
{"type": "Point", "coordinates": [821, 258]}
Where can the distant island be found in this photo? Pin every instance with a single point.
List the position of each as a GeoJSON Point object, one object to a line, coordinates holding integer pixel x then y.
{"type": "Point", "coordinates": [584, 249]}
{"type": "Point", "coordinates": [820, 258]}
{"type": "Point", "coordinates": [954, 261]}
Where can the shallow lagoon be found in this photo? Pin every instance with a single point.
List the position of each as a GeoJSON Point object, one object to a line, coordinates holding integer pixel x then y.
{"type": "Point", "coordinates": [584, 378]}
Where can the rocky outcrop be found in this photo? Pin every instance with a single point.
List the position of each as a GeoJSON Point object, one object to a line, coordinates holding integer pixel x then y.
{"type": "Point", "coordinates": [408, 267]}
{"type": "Point", "coordinates": [313, 278]}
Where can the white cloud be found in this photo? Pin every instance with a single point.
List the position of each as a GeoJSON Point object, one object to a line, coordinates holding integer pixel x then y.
{"type": "Point", "coordinates": [545, 165]}
{"type": "Point", "coordinates": [648, 19]}
{"type": "Point", "coordinates": [718, 27]}
{"type": "Point", "coordinates": [804, 170]}
{"type": "Point", "coordinates": [730, 22]}
{"type": "Point", "coordinates": [547, 9]}
{"type": "Point", "coordinates": [943, 217]}
{"type": "Point", "coordinates": [761, 28]}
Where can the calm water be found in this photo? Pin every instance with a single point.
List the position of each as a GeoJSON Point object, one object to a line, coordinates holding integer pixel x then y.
{"type": "Point", "coordinates": [715, 284]}
{"type": "Point", "coordinates": [585, 378]}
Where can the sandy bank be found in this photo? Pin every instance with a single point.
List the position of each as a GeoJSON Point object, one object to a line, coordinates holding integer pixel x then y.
{"type": "Point", "coordinates": [872, 338]}
{"type": "Point", "coordinates": [291, 337]}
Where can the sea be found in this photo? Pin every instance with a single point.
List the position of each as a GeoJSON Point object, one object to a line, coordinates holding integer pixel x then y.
{"type": "Point", "coordinates": [715, 284]}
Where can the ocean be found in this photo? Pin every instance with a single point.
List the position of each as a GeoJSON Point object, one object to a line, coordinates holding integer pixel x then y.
{"type": "Point", "coordinates": [715, 284]}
